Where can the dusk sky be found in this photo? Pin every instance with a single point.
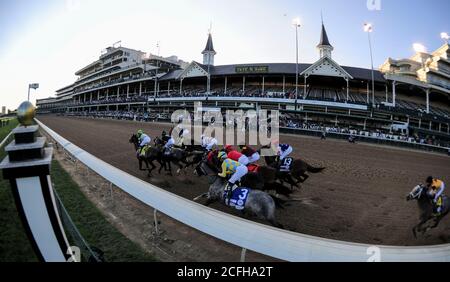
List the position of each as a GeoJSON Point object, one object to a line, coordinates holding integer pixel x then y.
{"type": "Point", "coordinates": [47, 41]}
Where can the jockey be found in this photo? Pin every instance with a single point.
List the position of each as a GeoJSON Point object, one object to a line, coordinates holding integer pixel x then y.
{"type": "Point", "coordinates": [235, 155]}
{"type": "Point", "coordinates": [436, 188]}
{"type": "Point", "coordinates": [233, 168]}
{"type": "Point", "coordinates": [208, 142]}
{"type": "Point", "coordinates": [144, 140]}
{"type": "Point", "coordinates": [252, 155]}
{"type": "Point", "coordinates": [283, 150]}
{"type": "Point", "coordinates": [169, 142]}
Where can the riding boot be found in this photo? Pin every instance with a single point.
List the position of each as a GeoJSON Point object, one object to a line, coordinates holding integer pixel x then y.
{"type": "Point", "coordinates": [229, 192]}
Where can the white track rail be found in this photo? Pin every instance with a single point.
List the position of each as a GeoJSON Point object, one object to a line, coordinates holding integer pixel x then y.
{"type": "Point", "coordinates": [281, 244]}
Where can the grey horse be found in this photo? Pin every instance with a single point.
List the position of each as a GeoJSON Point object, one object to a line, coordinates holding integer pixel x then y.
{"type": "Point", "coordinates": [420, 194]}
{"type": "Point", "coordinates": [258, 202]}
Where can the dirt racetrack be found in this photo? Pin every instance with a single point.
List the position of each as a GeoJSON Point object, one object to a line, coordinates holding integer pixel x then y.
{"type": "Point", "coordinates": [360, 197]}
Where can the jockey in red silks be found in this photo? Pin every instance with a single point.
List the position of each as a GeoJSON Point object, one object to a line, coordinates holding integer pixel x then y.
{"type": "Point", "coordinates": [252, 155]}
{"type": "Point", "coordinates": [236, 156]}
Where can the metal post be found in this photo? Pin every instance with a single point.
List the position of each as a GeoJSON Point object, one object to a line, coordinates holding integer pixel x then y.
{"type": "Point", "coordinates": [296, 66]}
{"type": "Point", "coordinates": [243, 254]}
{"type": "Point", "coordinates": [428, 100]}
{"type": "Point", "coordinates": [373, 76]}
{"type": "Point", "coordinates": [155, 219]}
{"type": "Point", "coordinates": [394, 93]}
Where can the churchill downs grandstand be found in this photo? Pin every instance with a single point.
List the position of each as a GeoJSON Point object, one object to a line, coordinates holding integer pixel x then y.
{"type": "Point", "coordinates": [411, 100]}
{"type": "Point", "coordinates": [360, 196]}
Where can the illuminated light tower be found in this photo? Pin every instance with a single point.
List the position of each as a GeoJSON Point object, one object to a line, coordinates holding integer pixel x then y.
{"type": "Point", "coordinates": [445, 36]}
{"type": "Point", "coordinates": [297, 25]}
{"type": "Point", "coordinates": [369, 29]}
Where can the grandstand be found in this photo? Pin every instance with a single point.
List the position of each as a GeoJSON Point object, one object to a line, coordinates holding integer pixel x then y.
{"type": "Point", "coordinates": [415, 91]}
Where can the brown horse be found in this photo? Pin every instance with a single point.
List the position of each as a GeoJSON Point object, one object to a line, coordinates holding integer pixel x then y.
{"type": "Point", "coordinates": [298, 169]}
{"type": "Point", "coordinates": [264, 178]}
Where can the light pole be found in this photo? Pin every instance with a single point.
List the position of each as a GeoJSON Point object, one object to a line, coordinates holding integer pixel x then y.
{"type": "Point", "coordinates": [296, 24]}
{"type": "Point", "coordinates": [369, 28]}
{"type": "Point", "coordinates": [445, 36]}
{"type": "Point", "coordinates": [32, 86]}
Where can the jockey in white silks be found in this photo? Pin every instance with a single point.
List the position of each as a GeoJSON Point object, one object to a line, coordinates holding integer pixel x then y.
{"type": "Point", "coordinates": [208, 142]}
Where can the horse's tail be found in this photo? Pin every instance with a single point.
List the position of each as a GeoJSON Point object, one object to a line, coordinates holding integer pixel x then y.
{"type": "Point", "coordinates": [279, 203]}
{"type": "Point", "coordinates": [314, 169]}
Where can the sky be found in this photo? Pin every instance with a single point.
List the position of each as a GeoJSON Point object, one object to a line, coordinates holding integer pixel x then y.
{"type": "Point", "coordinates": [47, 41]}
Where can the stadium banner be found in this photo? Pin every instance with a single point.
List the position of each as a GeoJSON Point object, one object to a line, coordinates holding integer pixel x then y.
{"type": "Point", "coordinates": [252, 69]}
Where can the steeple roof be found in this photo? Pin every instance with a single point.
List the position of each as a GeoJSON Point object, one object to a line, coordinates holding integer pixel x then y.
{"type": "Point", "coordinates": [324, 38]}
{"type": "Point", "coordinates": [209, 45]}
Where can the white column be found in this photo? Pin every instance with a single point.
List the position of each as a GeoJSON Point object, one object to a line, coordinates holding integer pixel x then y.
{"type": "Point", "coordinates": [284, 84]}
{"type": "Point", "coordinates": [394, 83]}
{"type": "Point", "coordinates": [226, 84]}
{"type": "Point", "coordinates": [305, 90]}
{"type": "Point", "coordinates": [243, 84]}
{"type": "Point", "coordinates": [181, 86]}
{"type": "Point", "coordinates": [118, 90]}
{"type": "Point", "coordinates": [168, 88]}
{"type": "Point", "coordinates": [90, 98]}
{"type": "Point", "coordinates": [368, 101]}
{"type": "Point", "coordinates": [107, 93]}
{"type": "Point", "coordinates": [98, 95]}
{"type": "Point", "coordinates": [128, 91]}
{"type": "Point", "coordinates": [428, 100]}
{"type": "Point", "coordinates": [348, 90]}
{"type": "Point", "coordinates": [263, 81]}
{"type": "Point", "coordinates": [140, 88]}
{"type": "Point", "coordinates": [387, 98]}
{"type": "Point", "coordinates": [440, 127]}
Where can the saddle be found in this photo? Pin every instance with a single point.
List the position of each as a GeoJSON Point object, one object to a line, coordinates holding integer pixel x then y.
{"type": "Point", "coordinates": [237, 199]}
{"type": "Point", "coordinates": [253, 168]}
{"type": "Point", "coordinates": [285, 165]}
{"type": "Point", "coordinates": [144, 150]}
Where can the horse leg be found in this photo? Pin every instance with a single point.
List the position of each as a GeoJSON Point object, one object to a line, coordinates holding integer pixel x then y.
{"type": "Point", "coordinates": [201, 196]}
{"type": "Point", "coordinates": [180, 167]}
{"type": "Point", "coordinates": [170, 168]}
{"type": "Point", "coordinates": [418, 227]}
{"type": "Point", "coordinates": [150, 170]}
{"type": "Point", "coordinates": [140, 163]}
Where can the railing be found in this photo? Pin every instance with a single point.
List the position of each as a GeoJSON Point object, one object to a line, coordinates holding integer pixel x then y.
{"type": "Point", "coordinates": [368, 139]}
{"type": "Point", "coordinates": [267, 240]}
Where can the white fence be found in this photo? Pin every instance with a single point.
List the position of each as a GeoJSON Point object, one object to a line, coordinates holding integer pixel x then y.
{"type": "Point", "coordinates": [281, 244]}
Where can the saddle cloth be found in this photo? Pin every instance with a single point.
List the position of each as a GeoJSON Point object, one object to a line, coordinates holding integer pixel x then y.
{"type": "Point", "coordinates": [285, 165]}
{"type": "Point", "coordinates": [253, 168]}
{"type": "Point", "coordinates": [238, 198]}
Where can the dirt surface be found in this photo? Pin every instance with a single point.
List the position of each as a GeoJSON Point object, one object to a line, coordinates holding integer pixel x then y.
{"type": "Point", "coordinates": [360, 197]}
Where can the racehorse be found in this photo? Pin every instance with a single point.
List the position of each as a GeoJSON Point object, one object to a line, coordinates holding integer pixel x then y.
{"type": "Point", "coordinates": [263, 179]}
{"type": "Point", "coordinates": [298, 169]}
{"type": "Point", "coordinates": [425, 204]}
{"type": "Point", "coordinates": [258, 202]}
{"type": "Point", "coordinates": [176, 156]}
{"type": "Point", "coordinates": [151, 155]}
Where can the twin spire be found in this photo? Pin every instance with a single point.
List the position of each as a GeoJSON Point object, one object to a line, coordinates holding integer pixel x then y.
{"type": "Point", "coordinates": [324, 46]}
{"type": "Point", "coordinates": [209, 52]}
